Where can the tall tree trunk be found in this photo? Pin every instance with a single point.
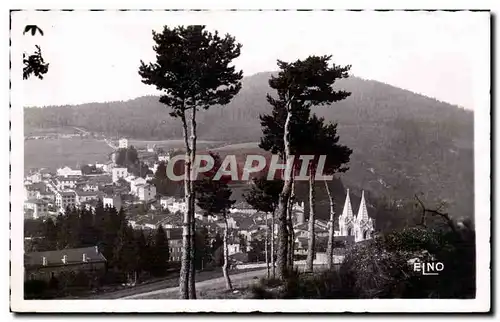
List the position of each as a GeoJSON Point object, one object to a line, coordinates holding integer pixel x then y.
{"type": "Point", "coordinates": [331, 229]}
{"type": "Point", "coordinates": [311, 240]}
{"type": "Point", "coordinates": [283, 205]}
{"type": "Point", "coordinates": [267, 246]}
{"type": "Point", "coordinates": [192, 270]}
{"type": "Point", "coordinates": [273, 265]}
{"type": "Point", "coordinates": [225, 268]}
{"type": "Point", "coordinates": [291, 239]}
{"type": "Point", "coordinates": [186, 224]}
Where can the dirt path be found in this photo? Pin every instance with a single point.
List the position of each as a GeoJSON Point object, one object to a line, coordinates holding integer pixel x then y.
{"type": "Point", "coordinates": [212, 284]}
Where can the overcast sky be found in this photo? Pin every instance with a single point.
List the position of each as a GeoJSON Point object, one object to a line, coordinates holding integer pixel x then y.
{"type": "Point", "coordinates": [94, 56]}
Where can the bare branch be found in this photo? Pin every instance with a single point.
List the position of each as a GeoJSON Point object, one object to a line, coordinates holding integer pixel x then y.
{"type": "Point", "coordinates": [437, 212]}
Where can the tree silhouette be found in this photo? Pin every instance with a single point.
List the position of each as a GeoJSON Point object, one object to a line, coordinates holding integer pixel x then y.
{"type": "Point", "coordinates": [214, 197]}
{"type": "Point", "coordinates": [193, 70]}
{"type": "Point", "coordinates": [323, 141]}
{"type": "Point", "coordinates": [264, 196]}
{"type": "Point", "coordinates": [300, 85]}
{"type": "Point", "coordinates": [160, 252]}
{"type": "Point", "coordinates": [34, 64]}
{"type": "Point", "coordinates": [273, 129]}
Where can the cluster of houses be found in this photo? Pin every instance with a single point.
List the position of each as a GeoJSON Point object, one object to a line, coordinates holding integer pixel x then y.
{"type": "Point", "coordinates": [48, 194]}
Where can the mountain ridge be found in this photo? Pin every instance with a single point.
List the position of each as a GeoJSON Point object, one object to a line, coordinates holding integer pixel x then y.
{"type": "Point", "coordinates": [403, 143]}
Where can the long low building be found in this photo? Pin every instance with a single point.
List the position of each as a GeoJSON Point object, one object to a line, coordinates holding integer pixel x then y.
{"type": "Point", "coordinates": [50, 264]}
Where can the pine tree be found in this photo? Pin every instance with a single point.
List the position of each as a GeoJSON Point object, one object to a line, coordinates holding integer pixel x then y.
{"type": "Point", "coordinates": [213, 196]}
{"type": "Point", "coordinates": [300, 85]}
{"type": "Point", "coordinates": [85, 232]}
{"type": "Point", "coordinates": [202, 249]}
{"type": "Point", "coordinates": [100, 218]}
{"type": "Point", "coordinates": [50, 234]}
{"type": "Point", "coordinates": [264, 196]}
{"type": "Point", "coordinates": [125, 251]}
{"type": "Point", "coordinates": [193, 70]}
{"type": "Point", "coordinates": [142, 252]}
{"type": "Point", "coordinates": [160, 252]}
{"type": "Point", "coordinates": [112, 226]}
{"type": "Point", "coordinates": [217, 244]}
{"type": "Point", "coordinates": [161, 171]}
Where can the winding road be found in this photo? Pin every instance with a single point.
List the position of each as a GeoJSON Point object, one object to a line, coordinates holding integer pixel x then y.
{"type": "Point", "coordinates": [211, 284]}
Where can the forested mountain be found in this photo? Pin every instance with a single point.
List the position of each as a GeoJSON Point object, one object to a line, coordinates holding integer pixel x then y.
{"type": "Point", "coordinates": [403, 143]}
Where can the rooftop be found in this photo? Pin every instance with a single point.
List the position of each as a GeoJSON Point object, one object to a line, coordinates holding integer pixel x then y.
{"type": "Point", "coordinates": [54, 258]}
{"type": "Point", "coordinates": [37, 201]}
{"type": "Point", "coordinates": [67, 193]}
{"type": "Point", "coordinates": [70, 177]}
{"type": "Point", "coordinates": [87, 193]}
{"type": "Point", "coordinates": [37, 186]}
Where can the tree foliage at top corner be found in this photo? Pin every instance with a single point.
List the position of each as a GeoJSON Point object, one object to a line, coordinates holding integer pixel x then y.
{"type": "Point", "coordinates": [34, 64]}
{"type": "Point", "coordinates": [193, 68]}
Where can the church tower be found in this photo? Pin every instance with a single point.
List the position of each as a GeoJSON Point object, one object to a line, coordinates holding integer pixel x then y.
{"type": "Point", "coordinates": [363, 211]}
{"type": "Point", "coordinates": [346, 220]}
{"type": "Point", "coordinates": [364, 224]}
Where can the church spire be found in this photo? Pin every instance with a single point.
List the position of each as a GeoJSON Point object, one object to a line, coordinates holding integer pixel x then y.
{"type": "Point", "coordinates": [363, 211]}
{"type": "Point", "coordinates": [347, 212]}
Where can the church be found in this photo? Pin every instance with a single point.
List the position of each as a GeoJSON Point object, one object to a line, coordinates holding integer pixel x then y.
{"type": "Point", "coordinates": [360, 226]}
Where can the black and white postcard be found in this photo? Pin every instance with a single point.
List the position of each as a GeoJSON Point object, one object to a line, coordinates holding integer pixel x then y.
{"type": "Point", "coordinates": [259, 159]}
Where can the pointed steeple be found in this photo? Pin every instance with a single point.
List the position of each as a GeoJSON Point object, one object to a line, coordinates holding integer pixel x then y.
{"type": "Point", "coordinates": [363, 211]}
{"type": "Point", "coordinates": [347, 212]}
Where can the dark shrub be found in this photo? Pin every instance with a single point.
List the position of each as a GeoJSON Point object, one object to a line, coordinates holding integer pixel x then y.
{"type": "Point", "coordinates": [270, 282]}
{"type": "Point", "coordinates": [381, 268]}
{"type": "Point", "coordinates": [260, 293]}
{"type": "Point", "coordinates": [34, 288]}
{"type": "Point", "coordinates": [81, 279]}
{"type": "Point", "coordinates": [324, 285]}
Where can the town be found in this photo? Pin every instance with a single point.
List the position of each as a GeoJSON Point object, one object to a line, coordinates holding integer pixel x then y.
{"type": "Point", "coordinates": [49, 195]}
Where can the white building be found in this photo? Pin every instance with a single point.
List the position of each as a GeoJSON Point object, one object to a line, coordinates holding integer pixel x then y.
{"type": "Point", "coordinates": [99, 166]}
{"type": "Point", "coordinates": [360, 226]}
{"type": "Point", "coordinates": [67, 171]}
{"type": "Point", "coordinates": [233, 248]}
{"type": "Point", "coordinates": [45, 195]}
{"type": "Point", "coordinates": [123, 143]}
{"type": "Point", "coordinates": [66, 182]}
{"type": "Point", "coordinates": [84, 196]}
{"type": "Point", "coordinates": [65, 199]}
{"type": "Point", "coordinates": [35, 177]}
{"type": "Point", "coordinates": [243, 208]}
{"type": "Point", "coordinates": [90, 186]}
{"type": "Point", "coordinates": [108, 167]}
{"type": "Point", "coordinates": [164, 158]}
{"type": "Point", "coordinates": [112, 201]}
{"type": "Point", "coordinates": [40, 208]}
{"type": "Point", "coordinates": [29, 192]}
{"type": "Point", "coordinates": [119, 173]}
{"type": "Point", "coordinates": [173, 205]}
{"type": "Point", "coordinates": [135, 183]}
{"type": "Point", "coordinates": [151, 147]}
{"type": "Point", "coordinates": [146, 192]}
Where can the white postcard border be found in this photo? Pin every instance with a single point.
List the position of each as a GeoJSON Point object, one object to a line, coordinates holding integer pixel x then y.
{"type": "Point", "coordinates": [482, 211]}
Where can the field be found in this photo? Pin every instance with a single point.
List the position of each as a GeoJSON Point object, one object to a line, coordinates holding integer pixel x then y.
{"type": "Point", "coordinates": [252, 146]}
{"type": "Point", "coordinates": [29, 131]}
{"type": "Point", "coordinates": [55, 153]}
{"type": "Point", "coordinates": [172, 144]}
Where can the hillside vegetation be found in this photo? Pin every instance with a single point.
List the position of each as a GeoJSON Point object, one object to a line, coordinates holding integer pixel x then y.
{"type": "Point", "coordinates": [402, 142]}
